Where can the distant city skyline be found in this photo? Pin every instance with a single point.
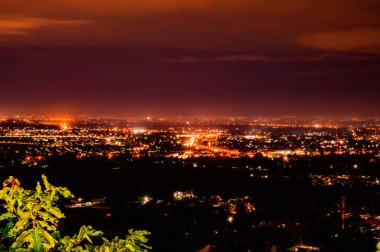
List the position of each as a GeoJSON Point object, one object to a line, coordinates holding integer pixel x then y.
{"type": "Point", "coordinates": [212, 58]}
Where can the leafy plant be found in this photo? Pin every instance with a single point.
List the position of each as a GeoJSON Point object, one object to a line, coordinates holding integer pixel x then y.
{"type": "Point", "coordinates": [31, 217]}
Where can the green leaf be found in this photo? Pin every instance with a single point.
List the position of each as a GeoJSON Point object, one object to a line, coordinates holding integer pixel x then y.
{"type": "Point", "coordinates": [21, 239]}
{"type": "Point", "coordinates": [48, 238]}
{"type": "Point", "coordinates": [6, 216]}
{"type": "Point", "coordinates": [88, 238]}
{"type": "Point", "coordinates": [44, 224]}
{"type": "Point", "coordinates": [46, 182]}
{"type": "Point", "coordinates": [130, 247]}
{"type": "Point", "coordinates": [37, 244]}
{"type": "Point", "coordinates": [56, 212]}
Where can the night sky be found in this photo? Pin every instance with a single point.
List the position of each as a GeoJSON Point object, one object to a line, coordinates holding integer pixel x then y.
{"type": "Point", "coordinates": [190, 58]}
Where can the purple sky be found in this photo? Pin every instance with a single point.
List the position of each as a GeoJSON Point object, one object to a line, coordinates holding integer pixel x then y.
{"type": "Point", "coordinates": [191, 58]}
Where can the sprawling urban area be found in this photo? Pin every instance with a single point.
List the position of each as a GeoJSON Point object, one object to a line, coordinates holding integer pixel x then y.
{"type": "Point", "coordinates": [231, 184]}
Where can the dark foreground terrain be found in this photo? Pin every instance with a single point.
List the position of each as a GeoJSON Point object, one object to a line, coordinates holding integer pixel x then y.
{"type": "Point", "coordinates": [224, 204]}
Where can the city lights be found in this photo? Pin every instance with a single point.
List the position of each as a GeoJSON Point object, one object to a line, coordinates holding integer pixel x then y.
{"type": "Point", "coordinates": [209, 167]}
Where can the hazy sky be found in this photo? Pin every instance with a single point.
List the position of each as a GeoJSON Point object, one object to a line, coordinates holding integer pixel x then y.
{"type": "Point", "coordinates": [172, 57]}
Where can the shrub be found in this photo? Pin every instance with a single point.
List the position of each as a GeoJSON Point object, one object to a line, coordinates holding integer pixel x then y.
{"type": "Point", "coordinates": [30, 222]}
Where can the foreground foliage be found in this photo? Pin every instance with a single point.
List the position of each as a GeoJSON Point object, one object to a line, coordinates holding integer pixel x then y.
{"type": "Point", "coordinates": [30, 222]}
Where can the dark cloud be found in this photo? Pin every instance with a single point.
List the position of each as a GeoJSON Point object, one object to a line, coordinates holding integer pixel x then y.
{"type": "Point", "coordinates": [365, 39]}
{"type": "Point", "coordinates": [266, 58]}
{"type": "Point", "coordinates": [25, 26]}
{"type": "Point", "coordinates": [208, 25]}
